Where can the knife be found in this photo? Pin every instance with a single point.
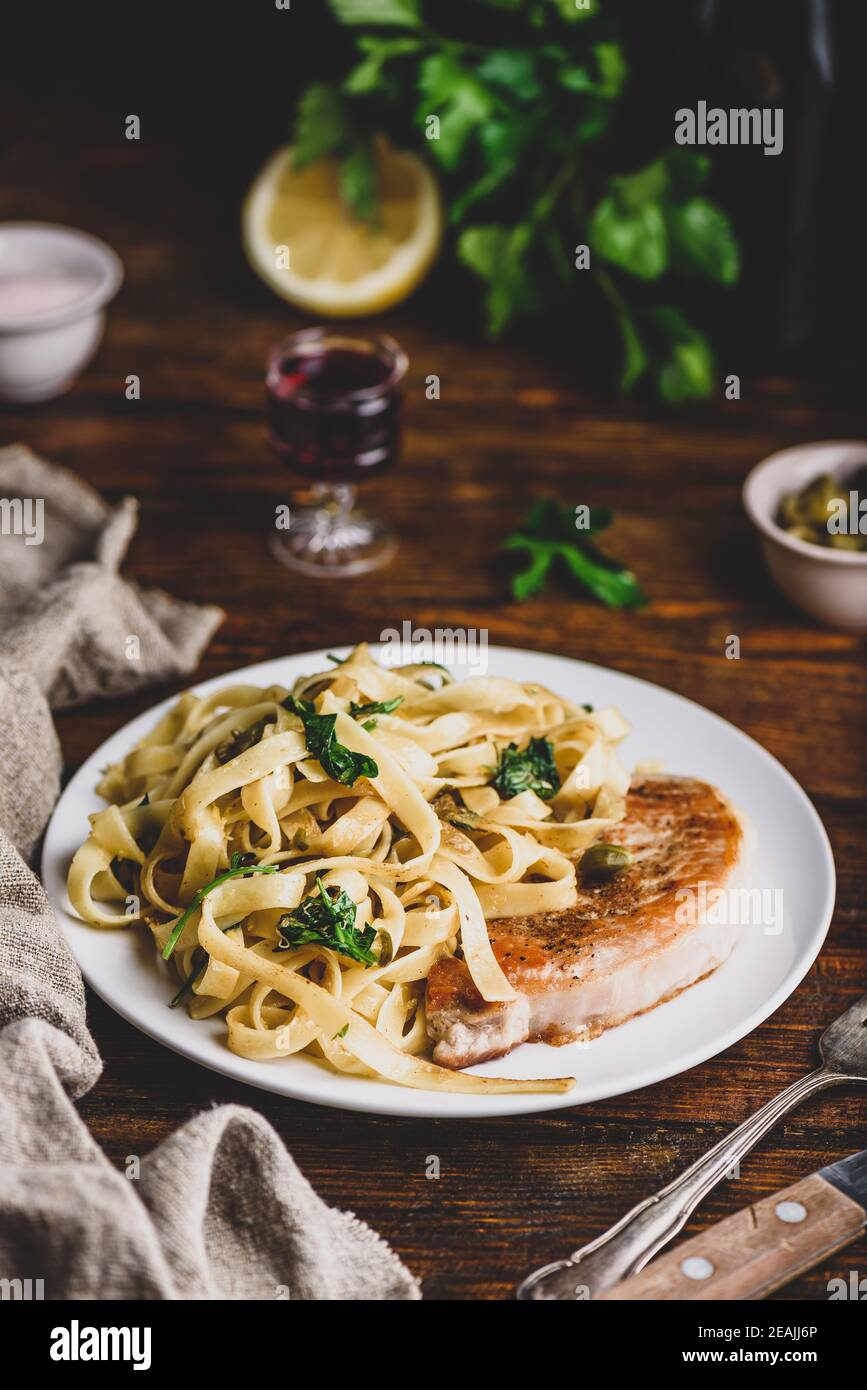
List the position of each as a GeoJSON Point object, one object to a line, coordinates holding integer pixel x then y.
{"type": "Point", "coordinates": [750, 1254]}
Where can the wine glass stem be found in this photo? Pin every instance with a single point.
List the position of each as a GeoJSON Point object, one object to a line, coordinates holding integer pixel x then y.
{"type": "Point", "coordinates": [334, 501]}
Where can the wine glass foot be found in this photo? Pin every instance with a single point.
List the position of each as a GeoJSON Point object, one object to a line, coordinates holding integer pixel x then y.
{"type": "Point", "coordinates": [333, 545]}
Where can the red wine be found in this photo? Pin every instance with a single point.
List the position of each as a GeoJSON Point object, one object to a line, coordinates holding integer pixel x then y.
{"type": "Point", "coordinates": [333, 405]}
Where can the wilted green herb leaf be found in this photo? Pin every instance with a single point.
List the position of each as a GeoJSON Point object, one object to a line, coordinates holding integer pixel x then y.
{"type": "Point", "coordinates": [323, 920]}
{"type": "Point", "coordinates": [242, 739]}
{"type": "Point", "coordinates": [239, 867]}
{"type": "Point", "coordinates": [337, 760]}
{"type": "Point", "coordinates": [528, 769]}
{"type": "Point", "coordinates": [198, 962]}
{"type": "Point", "coordinates": [448, 804]}
{"type": "Point", "coordinates": [374, 707]}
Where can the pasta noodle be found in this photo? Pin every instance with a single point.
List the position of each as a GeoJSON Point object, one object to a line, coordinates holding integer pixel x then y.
{"type": "Point", "coordinates": [304, 858]}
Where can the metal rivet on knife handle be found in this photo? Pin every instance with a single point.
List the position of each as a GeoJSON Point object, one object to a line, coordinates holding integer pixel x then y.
{"type": "Point", "coordinates": [753, 1252]}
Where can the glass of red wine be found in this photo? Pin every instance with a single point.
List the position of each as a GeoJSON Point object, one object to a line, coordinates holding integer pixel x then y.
{"type": "Point", "coordinates": [333, 405]}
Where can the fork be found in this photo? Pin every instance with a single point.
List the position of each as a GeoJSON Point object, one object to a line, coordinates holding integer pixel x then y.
{"type": "Point", "coordinates": [642, 1232]}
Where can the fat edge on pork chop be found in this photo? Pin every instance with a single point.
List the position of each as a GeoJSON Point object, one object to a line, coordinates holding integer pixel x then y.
{"type": "Point", "coordinates": [626, 946]}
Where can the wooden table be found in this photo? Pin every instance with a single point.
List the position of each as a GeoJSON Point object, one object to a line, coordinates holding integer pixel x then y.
{"type": "Point", "coordinates": [195, 325]}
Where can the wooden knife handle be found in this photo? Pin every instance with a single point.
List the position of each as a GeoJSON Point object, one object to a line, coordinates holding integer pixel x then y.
{"type": "Point", "coordinates": [750, 1254]}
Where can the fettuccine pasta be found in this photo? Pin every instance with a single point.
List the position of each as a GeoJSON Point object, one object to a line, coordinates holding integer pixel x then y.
{"type": "Point", "coordinates": [304, 858]}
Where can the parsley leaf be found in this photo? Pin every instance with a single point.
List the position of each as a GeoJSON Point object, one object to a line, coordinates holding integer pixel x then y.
{"type": "Point", "coordinates": [635, 240]}
{"type": "Point", "coordinates": [404, 13]}
{"type": "Point", "coordinates": [453, 92]}
{"type": "Point", "coordinates": [326, 126]}
{"type": "Point", "coordinates": [375, 707]}
{"type": "Point", "coordinates": [337, 760]}
{"type": "Point", "coordinates": [358, 180]}
{"type": "Point", "coordinates": [324, 920]}
{"type": "Point", "coordinates": [653, 218]}
{"type": "Point", "coordinates": [685, 361]}
{"type": "Point", "coordinates": [573, 13]}
{"type": "Point", "coordinates": [320, 124]}
{"type": "Point", "coordinates": [529, 769]}
{"type": "Point", "coordinates": [500, 256]}
{"type": "Point", "coordinates": [702, 238]}
{"type": "Point", "coordinates": [370, 74]}
{"type": "Point", "coordinates": [549, 537]}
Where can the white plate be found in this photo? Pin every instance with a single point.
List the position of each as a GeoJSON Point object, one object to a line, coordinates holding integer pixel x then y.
{"type": "Point", "coordinates": [793, 855]}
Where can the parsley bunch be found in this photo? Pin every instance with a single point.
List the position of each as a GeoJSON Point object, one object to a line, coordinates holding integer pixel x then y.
{"type": "Point", "coordinates": [523, 93]}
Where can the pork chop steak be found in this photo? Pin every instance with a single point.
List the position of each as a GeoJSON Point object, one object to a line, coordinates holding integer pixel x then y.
{"type": "Point", "coordinates": [625, 947]}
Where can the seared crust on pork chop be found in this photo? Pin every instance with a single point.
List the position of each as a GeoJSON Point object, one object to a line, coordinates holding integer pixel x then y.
{"type": "Point", "coordinates": [626, 946]}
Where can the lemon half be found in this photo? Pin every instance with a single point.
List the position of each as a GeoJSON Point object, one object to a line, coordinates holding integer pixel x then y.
{"type": "Point", "coordinates": [301, 240]}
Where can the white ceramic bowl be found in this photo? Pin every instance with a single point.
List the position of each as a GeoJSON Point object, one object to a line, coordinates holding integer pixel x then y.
{"type": "Point", "coordinates": [830, 585]}
{"type": "Point", "coordinates": [43, 350]}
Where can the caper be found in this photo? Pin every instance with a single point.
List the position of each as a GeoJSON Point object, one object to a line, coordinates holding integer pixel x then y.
{"type": "Point", "coordinates": [793, 512]}
{"type": "Point", "coordinates": [603, 862]}
{"type": "Point", "coordinates": [816, 496]}
{"type": "Point", "coordinates": [842, 540]}
{"type": "Point", "coordinates": [806, 533]}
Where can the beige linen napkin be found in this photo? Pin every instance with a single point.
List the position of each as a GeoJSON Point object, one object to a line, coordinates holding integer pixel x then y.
{"type": "Point", "coordinates": [220, 1210]}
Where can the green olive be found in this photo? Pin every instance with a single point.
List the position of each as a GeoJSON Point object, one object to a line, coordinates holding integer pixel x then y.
{"type": "Point", "coordinates": [604, 862]}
